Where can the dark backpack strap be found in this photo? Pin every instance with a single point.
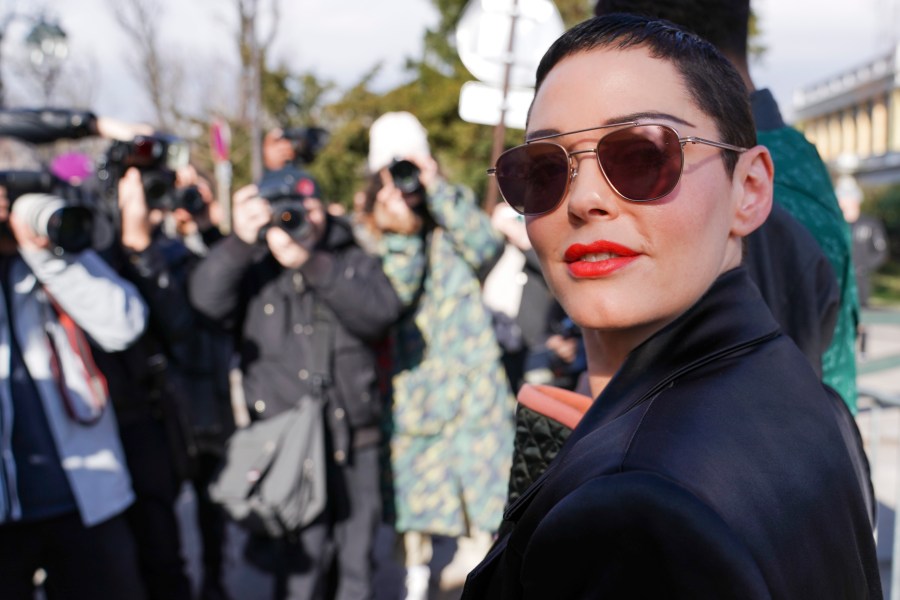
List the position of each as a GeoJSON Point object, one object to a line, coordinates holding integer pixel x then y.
{"type": "Point", "coordinates": [322, 348]}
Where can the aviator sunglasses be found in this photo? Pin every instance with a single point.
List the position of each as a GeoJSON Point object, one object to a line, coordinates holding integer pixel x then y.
{"type": "Point", "coordinates": [641, 163]}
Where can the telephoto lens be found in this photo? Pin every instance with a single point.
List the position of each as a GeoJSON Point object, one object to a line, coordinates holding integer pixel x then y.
{"type": "Point", "coordinates": [68, 227]}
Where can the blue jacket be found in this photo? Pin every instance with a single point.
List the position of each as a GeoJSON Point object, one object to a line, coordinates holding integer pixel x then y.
{"type": "Point", "coordinates": [111, 312]}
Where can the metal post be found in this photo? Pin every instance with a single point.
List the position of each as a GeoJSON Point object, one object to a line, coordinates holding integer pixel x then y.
{"type": "Point", "coordinates": [895, 549]}
{"type": "Point", "coordinates": [490, 200]}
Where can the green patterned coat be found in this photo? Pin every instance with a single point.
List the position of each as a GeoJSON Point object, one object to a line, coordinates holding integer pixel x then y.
{"type": "Point", "coordinates": [452, 417]}
{"type": "Point", "coordinates": [803, 187]}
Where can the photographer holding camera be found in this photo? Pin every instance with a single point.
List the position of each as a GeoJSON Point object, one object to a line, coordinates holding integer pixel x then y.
{"type": "Point", "coordinates": [289, 275]}
{"type": "Point", "coordinates": [292, 147]}
{"type": "Point", "coordinates": [136, 176]}
{"type": "Point", "coordinates": [452, 415]}
{"type": "Point", "coordinates": [176, 375]}
{"type": "Point", "coordinates": [64, 484]}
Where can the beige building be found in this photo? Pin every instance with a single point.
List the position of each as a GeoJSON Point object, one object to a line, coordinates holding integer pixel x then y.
{"type": "Point", "coordinates": [854, 120]}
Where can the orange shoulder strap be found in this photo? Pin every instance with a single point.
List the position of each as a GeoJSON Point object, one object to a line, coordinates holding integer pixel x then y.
{"type": "Point", "coordinates": [559, 404]}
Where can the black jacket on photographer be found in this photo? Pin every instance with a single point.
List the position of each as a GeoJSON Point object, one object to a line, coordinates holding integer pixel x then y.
{"type": "Point", "coordinates": [274, 311]}
{"type": "Point", "coordinates": [141, 378]}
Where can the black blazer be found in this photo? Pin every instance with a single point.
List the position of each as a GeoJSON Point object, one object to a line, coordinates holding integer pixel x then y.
{"type": "Point", "coordinates": [713, 465]}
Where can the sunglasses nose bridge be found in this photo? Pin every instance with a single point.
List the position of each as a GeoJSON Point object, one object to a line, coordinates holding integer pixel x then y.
{"type": "Point", "coordinates": [573, 162]}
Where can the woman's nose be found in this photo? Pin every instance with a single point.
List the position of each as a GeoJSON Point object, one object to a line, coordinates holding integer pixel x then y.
{"type": "Point", "coordinates": [589, 194]}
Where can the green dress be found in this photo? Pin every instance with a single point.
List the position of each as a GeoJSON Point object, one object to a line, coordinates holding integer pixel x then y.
{"type": "Point", "coordinates": [803, 187]}
{"type": "Point", "coordinates": [451, 423]}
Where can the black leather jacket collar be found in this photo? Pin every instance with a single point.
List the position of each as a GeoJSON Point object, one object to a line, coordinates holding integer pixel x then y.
{"type": "Point", "coordinates": [730, 317]}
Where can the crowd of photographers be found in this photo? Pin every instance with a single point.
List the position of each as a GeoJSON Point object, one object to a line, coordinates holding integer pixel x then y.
{"type": "Point", "coordinates": [127, 314]}
{"type": "Point", "coordinates": [118, 389]}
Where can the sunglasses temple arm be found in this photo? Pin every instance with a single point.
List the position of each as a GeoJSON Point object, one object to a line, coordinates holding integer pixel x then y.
{"type": "Point", "coordinates": [722, 145]}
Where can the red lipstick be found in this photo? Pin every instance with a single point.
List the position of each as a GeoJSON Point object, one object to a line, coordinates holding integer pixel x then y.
{"type": "Point", "coordinates": [584, 263]}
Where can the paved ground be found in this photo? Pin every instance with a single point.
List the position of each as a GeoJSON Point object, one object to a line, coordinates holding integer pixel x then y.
{"type": "Point", "coordinates": [879, 423]}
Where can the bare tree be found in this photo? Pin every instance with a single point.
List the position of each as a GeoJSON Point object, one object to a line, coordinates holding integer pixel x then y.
{"type": "Point", "coordinates": [161, 79]}
{"type": "Point", "coordinates": [253, 49]}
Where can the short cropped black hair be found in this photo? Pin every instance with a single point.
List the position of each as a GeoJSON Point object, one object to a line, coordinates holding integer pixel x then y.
{"type": "Point", "coordinates": [714, 84]}
{"type": "Point", "coordinates": [724, 23]}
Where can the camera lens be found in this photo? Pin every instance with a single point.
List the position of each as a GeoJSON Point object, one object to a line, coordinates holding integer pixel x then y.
{"type": "Point", "coordinates": [189, 198]}
{"type": "Point", "coordinates": [289, 214]}
{"type": "Point", "coordinates": [406, 176]}
{"type": "Point", "coordinates": [70, 228]}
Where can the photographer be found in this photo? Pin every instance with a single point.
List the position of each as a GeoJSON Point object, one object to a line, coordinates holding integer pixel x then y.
{"type": "Point", "coordinates": [291, 147]}
{"type": "Point", "coordinates": [150, 402]}
{"type": "Point", "coordinates": [452, 415]}
{"type": "Point", "coordinates": [203, 361]}
{"type": "Point", "coordinates": [289, 270]}
{"type": "Point", "coordinates": [173, 385]}
{"type": "Point", "coordinates": [64, 482]}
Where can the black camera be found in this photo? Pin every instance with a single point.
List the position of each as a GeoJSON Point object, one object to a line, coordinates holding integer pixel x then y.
{"type": "Point", "coordinates": [188, 198]}
{"type": "Point", "coordinates": [406, 176]}
{"type": "Point", "coordinates": [285, 191]}
{"type": "Point", "coordinates": [307, 142]}
{"type": "Point", "coordinates": [49, 207]}
{"type": "Point", "coordinates": [157, 157]}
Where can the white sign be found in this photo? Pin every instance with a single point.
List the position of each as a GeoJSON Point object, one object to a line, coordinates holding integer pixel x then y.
{"type": "Point", "coordinates": [483, 38]}
{"type": "Point", "coordinates": [481, 103]}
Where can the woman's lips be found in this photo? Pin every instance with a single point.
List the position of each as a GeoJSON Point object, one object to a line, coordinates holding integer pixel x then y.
{"type": "Point", "coordinates": [598, 259]}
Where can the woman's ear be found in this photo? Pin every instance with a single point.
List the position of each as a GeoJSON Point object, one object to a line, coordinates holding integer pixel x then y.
{"type": "Point", "coordinates": [753, 186]}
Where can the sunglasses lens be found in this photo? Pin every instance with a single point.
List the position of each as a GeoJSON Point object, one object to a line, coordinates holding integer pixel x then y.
{"type": "Point", "coordinates": [643, 162]}
{"type": "Point", "coordinates": [532, 178]}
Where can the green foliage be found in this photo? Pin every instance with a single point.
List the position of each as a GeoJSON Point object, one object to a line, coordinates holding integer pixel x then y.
{"type": "Point", "coordinates": [432, 93]}
{"type": "Point", "coordinates": [574, 11]}
{"type": "Point", "coordinates": [886, 285]}
{"type": "Point", "coordinates": [885, 204]}
{"type": "Point", "coordinates": [756, 50]}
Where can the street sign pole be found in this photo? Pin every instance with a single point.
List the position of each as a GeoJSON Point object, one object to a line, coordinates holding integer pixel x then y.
{"type": "Point", "coordinates": [490, 200]}
{"type": "Point", "coordinates": [504, 68]}
{"type": "Point", "coordinates": [220, 147]}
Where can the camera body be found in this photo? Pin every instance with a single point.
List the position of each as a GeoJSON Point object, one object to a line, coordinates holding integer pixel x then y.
{"type": "Point", "coordinates": [406, 176]}
{"type": "Point", "coordinates": [156, 157]}
{"type": "Point", "coordinates": [306, 142]}
{"type": "Point", "coordinates": [46, 204]}
{"type": "Point", "coordinates": [285, 191]}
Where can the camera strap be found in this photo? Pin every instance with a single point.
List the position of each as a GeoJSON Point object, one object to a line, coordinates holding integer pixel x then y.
{"type": "Point", "coordinates": [97, 388]}
{"type": "Point", "coordinates": [414, 303]}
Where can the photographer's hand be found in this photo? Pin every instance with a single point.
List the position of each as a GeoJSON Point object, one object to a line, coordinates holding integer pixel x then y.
{"type": "Point", "coordinates": [250, 213]}
{"type": "Point", "coordinates": [136, 227]}
{"type": "Point", "coordinates": [293, 253]}
{"type": "Point", "coordinates": [392, 214]}
{"type": "Point", "coordinates": [26, 238]}
{"type": "Point", "coordinates": [512, 225]}
{"type": "Point", "coordinates": [429, 174]}
{"type": "Point", "coordinates": [566, 348]}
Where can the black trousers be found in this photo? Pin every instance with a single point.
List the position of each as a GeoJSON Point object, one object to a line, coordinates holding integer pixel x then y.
{"type": "Point", "coordinates": [82, 563]}
{"type": "Point", "coordinates": [152, 517]}
{"type": "Point", "coordinates": [211, 523]}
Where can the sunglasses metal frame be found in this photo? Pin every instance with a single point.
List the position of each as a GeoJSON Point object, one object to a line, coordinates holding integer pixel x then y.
{"type": "Point", "coordinates": [573, 165]}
